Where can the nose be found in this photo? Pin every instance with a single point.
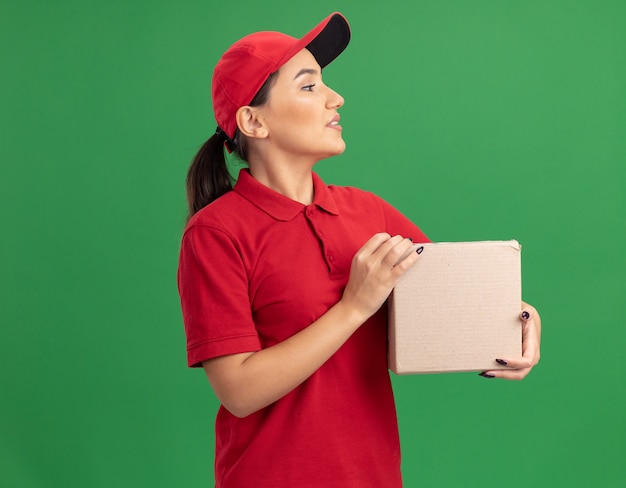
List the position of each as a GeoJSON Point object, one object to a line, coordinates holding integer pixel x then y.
{"type": "Point", "coordinates": [334, 100]}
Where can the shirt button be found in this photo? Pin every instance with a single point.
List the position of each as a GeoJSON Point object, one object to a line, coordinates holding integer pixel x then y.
{"type": "Point", "coordinates": [331, 258]}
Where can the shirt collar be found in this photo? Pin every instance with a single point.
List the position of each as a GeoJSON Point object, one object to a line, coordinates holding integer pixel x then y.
{"type": "Point", "coordinates": [279, 206]}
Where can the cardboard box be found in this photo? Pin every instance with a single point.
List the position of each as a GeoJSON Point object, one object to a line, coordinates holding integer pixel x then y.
{"type": "Point", "coordinates": [457, 309]}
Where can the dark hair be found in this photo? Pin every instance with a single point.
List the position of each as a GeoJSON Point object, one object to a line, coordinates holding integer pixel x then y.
{"type": "Point", "coordinates": [208, 177]}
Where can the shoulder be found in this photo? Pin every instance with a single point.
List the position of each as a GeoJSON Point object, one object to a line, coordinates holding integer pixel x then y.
{"type": "Point", "coordinates": [211, 234]}
{"type": "Point", "coordinates": [360, 201]}
{"type": "Point", "coordinates": [352, 194]}
{"type": "Point", "coordinates": [219, 214]}
{"type": "Point", "coordinates": [232, 221]}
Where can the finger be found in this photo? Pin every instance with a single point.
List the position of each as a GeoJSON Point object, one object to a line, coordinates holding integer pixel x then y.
{"type": "Point", "coordinates": [528, 308]}
{"type": "Point", "coordinates": [504, 374]}
{"type": "Point", "coordinates": [530, 341]}
{"type": "Point", "coordinates": [516, 363]}
{"type": "Point", "coordinates": [530, 350]}
{"type": "Point", "coordinates": [527, 312]}
{"type": "Point", "coordinates": [534, 317]}
{"type": "Point", "coordinates": [374, 243]}
{"type": "Point", "coordinates": [370, 247]}
{"type": "Point", "coordinates": [521, 366]}
{"type": "Point", "coordinates": [414, 248]}
{"type": "Point", "coordinates": [390, 253]}
{"type": "Point", "coordinates": [405, 263]}
{"type": "Point", "coordinates": [390, 250]}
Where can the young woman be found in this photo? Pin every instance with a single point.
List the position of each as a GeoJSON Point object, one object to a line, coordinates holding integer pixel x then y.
{"type": "Point", "coordinates": [283, 279]}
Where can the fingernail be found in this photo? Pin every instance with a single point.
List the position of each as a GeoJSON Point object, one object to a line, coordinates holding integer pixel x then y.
{"type": "Point", "coordinates": [486, 375]}
{"type": "Point", "coordinates": [525, 315]}
{"type": "Point", "coordinates": [502, 362]}
{"type": "Point", "coordinates": [410, 239]}
{"type": "Point", "coordinates": [419, 250]}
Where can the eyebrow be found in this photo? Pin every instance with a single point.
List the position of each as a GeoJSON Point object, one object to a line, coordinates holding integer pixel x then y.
{"type": "Point", "coordinates": [306, 71]}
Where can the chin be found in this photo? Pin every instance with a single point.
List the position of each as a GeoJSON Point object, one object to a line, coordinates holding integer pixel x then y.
{"type": "Point", "coordinates": [334, 150]}
{"type": "Point", "coordinates": [340, 148]}
{"type": "Point", "coordinates": [334, 153]}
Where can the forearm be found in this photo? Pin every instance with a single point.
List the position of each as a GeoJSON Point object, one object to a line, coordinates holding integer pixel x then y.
{"type": "Point", "coordinates": [245, 383]}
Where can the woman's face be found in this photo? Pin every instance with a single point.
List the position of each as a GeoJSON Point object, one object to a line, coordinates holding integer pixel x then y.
{"type": "Point", "coordinates": [301, 111]}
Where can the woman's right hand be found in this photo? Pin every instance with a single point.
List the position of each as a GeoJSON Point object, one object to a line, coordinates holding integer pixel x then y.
{"type": "Point", "coordinates": [374, 272]}
{"type": "Point", "coordinates": [247, 382]}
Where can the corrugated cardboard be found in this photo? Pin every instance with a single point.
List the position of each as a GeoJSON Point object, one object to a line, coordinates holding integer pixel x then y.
{"type": "Point", "coordinates": [457, 309]}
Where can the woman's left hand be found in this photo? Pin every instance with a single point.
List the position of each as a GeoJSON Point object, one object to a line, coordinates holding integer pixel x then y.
{"type": "Point", "coordinates": [531, 341]}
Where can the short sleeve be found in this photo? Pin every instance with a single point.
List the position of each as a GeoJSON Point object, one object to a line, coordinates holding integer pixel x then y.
{"type": "Point", "coordinates": [213, 288]}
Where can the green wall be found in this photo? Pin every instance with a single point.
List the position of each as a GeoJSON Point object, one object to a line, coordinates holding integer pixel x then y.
{"type": "Point", "coordinates": [478, 119]}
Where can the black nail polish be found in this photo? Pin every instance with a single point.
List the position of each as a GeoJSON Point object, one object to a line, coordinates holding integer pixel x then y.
{"type": "Point", "coordinates": [486, 375]}
{"type": "Point", "coordinates": [419, 250]}
{"type": "Point", "coordinates": [501, 362]}
{"type": "Point", "coordinates": [525, 315]}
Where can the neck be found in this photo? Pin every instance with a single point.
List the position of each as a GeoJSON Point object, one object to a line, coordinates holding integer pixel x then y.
{"type": "Point", "coordinates": [286, 175]}
{"type": "Point", "coordinates": [290, 182]}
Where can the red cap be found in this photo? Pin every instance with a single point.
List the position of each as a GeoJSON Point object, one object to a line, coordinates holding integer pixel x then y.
{"type": "Point", "coordinates": [244, 67]}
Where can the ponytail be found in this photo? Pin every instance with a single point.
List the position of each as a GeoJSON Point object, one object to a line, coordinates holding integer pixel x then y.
{"type": "Point", "coordinates": [208, 177]}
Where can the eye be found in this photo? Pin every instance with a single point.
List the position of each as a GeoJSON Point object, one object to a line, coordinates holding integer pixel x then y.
{"type": "Point", "coordinates": [308, 87]}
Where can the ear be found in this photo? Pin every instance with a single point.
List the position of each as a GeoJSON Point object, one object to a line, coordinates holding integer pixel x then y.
{"type": "Point", "coordinates": [250, 122]}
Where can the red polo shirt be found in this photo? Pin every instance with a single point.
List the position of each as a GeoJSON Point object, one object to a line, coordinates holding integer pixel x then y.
{"type": "Point", "coordinates": [257, 267]}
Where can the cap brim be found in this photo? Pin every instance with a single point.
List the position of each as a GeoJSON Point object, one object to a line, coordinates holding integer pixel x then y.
{"type": "Point", "coordinates": [326, 40]}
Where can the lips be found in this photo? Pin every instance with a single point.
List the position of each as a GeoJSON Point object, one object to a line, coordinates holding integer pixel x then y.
{"type": "Point", "coordinates": [334, 123]}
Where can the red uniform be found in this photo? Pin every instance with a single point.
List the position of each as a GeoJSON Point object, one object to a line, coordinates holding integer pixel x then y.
{"type": "Point", "coordinates": [257, 267]}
